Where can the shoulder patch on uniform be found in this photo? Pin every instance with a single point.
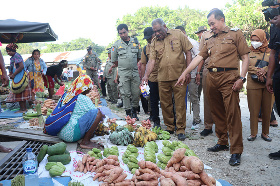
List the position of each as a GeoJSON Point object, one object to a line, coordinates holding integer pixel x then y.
{"type": "Point", "coordinates": [234, 29]}
{"type": "Point", "coordinates": [113, 49]}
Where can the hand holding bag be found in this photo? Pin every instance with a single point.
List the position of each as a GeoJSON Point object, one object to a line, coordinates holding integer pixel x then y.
{"type": "Point", "coordinates": [260, 64]}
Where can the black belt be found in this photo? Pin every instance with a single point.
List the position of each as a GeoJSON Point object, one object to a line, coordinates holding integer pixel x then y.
{"type": "Point", "coordinates": [221, 69]}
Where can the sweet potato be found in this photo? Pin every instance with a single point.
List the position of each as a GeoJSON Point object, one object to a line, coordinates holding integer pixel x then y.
{"type": "Point", "coordinates": [205, 178]}
{"type": "Point", "coordinates": [145, 183]}
{"type": "Point", "coordinates": [166, 181]}
{"type": "Point", "coordinates": [193, 163]}
{"type": "Point", "coordinates": [98, 175]}
{"type": "Point", "coordinates": [100, 169]}
{"type": "Point", "coordinates": [100, 163]}
{"type": "Point", "coordinates": [146, 177]}
{"type": "Point", "coordinates": [114, 157]}
{"type": "Point", "coordinates": [82, 167]}
{"type": "Point", "coordinates": [142, 164]}
{"type": "Point", "coordinates": [94, 162]}
{"type": "Point", "coordinates": [108, 167]}
{"type": "Point", "coordinates": [84, 158]}
{"type": "Point", "coordinates": [166, 174]}
{"type": "Point", "coordinates": [189, 175]}
{"type": "Point", "coordinates": [120, 178]}
{"type": "Point", "coordinates": [177, 166]}
{"type": "Point", "coordinates": [115, 173]}
{"type": "Point", "coordinates": [213, 180]}
{"type": "Point", "coordinates": [193, 182]}
{"type": "Point", "coordinates": [124, 183]}
{"type": "Point", "coordinates": [179, 180]}
{"type": "Point", "coordinates": [178, 155]}
{"type": "Point", "coordinates": [183, 168]}
{"type": "Point", "coordinates": [149, 171]}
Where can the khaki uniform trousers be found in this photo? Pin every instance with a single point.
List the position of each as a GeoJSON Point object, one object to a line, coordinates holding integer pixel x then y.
{"type": "Point", "coordinates": [208, 121]}
{"type": "Point", "coordinates": [93, 76]}
{"type": "Point", "coordinates": [112, 88]}
{"type": "Point", "coordinates": [225, 108]}
{"type": "Point", "coordinates": [193, 91]}
{"type": "Point", "coordinates": [166, 88]}
{"type": "Point", "coordinates": [130, 91]}
{"type": "Point", "coordinates": [259, 98]}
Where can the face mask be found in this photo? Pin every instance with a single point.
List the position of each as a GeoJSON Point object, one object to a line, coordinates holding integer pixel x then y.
{"type": "Point", "coordinates": [256, 44]}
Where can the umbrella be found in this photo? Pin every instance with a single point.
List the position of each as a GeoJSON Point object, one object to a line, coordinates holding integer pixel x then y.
{"type": "Point", "coordinates": [12, 30]}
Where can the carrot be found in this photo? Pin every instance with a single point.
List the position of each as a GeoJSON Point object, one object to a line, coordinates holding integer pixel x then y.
{"type": "Point", "coordinates": [166, 181]}
{"type": "Point", "coordinates": [146, 177]}
{"type": "Point", "coordinates": [205, 178]}
{"type": "Point", "coordinates": [178, 155]}
{"type": "Point", "coordinates": [121, 178]}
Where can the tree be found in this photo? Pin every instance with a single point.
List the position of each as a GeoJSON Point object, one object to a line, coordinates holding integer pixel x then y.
{"type": "Point", "coordinates": [246, 15]}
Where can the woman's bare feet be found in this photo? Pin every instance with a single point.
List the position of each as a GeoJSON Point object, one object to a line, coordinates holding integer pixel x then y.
{"type": "Point", "coordinates": [89, 145]}
{"type": "Point", "coordinates": [21, 111]}
{"type": "Point", "coordinates": [5, 150]}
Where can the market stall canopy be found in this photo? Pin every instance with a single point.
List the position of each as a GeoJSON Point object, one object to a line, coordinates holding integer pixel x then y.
{"type": "Point", "coordinates": [12, 30]}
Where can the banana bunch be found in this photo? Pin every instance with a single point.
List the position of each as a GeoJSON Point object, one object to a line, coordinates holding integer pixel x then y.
{"type": "Point", "coordinates": [139, 140]}
{"type": "Point", "coordinates": [142, 136]}
{"type": "Point", "coordinates": [151, 136]}
{"type": "Point", "coordinates": [113, 127]}
{"type": "Point", "coordinates": [101, 130]}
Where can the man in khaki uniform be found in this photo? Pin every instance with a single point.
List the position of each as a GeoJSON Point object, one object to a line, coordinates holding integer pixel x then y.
{"type": "Point", "coordinates": [152, 82]}
{"type": "Point", "coordinates": [111, 85]}
{"type": "Point", "coordinates": [203, 35]}
{"type": "Point", "coordinates": [126, 52]}
{"type": "Point", "coordinates": [224, 81]}
{"type": "Point", "coordinates": [168, 49]}
{"type": "Point", "coordinates": [91, 65]}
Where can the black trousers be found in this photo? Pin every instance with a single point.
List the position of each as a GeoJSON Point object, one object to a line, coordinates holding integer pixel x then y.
{"type": "Point", "coordinates": [103, 87]}
{"type": "Point", "coordinates": [276, 89]}
{"type": "Point", "coordinates": [154, 98]}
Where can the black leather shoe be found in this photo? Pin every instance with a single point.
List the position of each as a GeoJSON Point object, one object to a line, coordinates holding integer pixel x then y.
{"type": "Point", "coordinates": [181, 137]}
{"type": "Point", "coordinates": [275, 155]}
{"type": "Point", "coordinates": [218, 148]}
{"type": "Point", "coordinates": [251, 138]}
{"type": "Point", "coordinates": [206, 132]}
{"type": "Point", "coordinates": [266, 138]}
{"type": "Point", "coordinates": [235, 159]}
{"type": "Point", "coordinates": [170, 131]}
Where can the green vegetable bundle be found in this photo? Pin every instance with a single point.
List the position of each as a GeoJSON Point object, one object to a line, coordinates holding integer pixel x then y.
{"type": "Point", "coordinates": [130, 158]}
{"type": "Point", "coordinates": [111, 151]}
{"type": "Point", "coordinates": [121, 136]}
{"type": "Point", "coordinates": [55, 169]}
{"type": "Point", "coordinates": [95, 153]}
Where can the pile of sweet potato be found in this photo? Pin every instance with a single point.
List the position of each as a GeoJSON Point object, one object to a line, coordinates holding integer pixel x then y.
{"type": "Point", "coordinates": [147, 174]}
{"type": "Point", "coordinates": [184, 170]}
{"type": "Point", "coordinates": [94, 95]}
{"type": "Point", "coordinates": [91, 164]}
{"type": "Point", "coordinates": [48, 104]}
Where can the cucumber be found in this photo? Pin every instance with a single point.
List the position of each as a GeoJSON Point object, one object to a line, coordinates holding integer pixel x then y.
{"type": "Point", "coordinates": [64, 158]}
{"type": "Point", "coordinates": [42, 153]}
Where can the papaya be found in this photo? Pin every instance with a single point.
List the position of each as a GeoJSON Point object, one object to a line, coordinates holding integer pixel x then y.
{"type": "Point", "coordinates": [63, 158]}
{"type": "Point", "coordinates": [57, 149]}
{"type": "Point", "coordinates": [42, 153]}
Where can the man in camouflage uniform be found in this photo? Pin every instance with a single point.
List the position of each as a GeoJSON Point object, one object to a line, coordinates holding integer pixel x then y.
{"type": "Point", "coordinates": [91, 64]}
{"type": "Point", "coordinates": [126, 52]}
{"type": "Point", "coordinates": [111, 85]}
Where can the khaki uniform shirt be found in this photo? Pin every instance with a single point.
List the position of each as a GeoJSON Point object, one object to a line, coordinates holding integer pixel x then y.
{"type": "Point", "coordinates": [153, 75]}
{"type": "Point", "coordinates": [205, 36]}
{"type": "Point", "coordinates": [90, 61]}
{"type": "Point", "coordinates": [106, 70]}
{"type": "Point", "coordinates": [254, 56]}
{"type": "Point", "coordinates": [127, 56]}
{"type": "Point", "coordinates": [225, 49]}
{"type": "Point", "coordinates": [169, 53]}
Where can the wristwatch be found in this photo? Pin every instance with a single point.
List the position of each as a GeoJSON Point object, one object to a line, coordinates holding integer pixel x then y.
{"type": "Point", "coordinates": [243, 79]}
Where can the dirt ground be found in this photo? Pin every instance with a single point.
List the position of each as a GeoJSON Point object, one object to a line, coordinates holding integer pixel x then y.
{"type": "Point", "coordinates": [256, 168]}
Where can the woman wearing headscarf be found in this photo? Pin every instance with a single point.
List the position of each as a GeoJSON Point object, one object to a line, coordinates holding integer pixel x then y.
{"type": "Point", "coordinates": [36, 68]}
{"type": "Point", "coordinates": [16, 66]}
{"type": "Point", "coordinates": [75, 116]}
{"type": "Point", "coordinates": [258, 96]}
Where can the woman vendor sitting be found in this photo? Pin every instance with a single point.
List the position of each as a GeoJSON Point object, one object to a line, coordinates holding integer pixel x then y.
{"type": "Point", "coordinates": [75, 116]}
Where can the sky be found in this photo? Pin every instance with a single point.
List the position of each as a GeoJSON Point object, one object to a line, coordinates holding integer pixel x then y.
{"type": "Point", "coordinates": [94, 19]}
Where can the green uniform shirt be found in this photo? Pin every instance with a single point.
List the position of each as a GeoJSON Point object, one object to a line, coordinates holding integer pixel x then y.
{"type": "Point", "coordinates": [106, 70]}
{"type": "Point", "coordinates": [91, 61]}
{"type": "Point", "coordinates": [126, 55]}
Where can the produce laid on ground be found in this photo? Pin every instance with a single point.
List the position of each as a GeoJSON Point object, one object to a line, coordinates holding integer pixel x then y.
{"type": "Point", "coordinates": [96, 153]}
{"type": "Point", "coordinates": [129, 157]}
{"type": "Point", "coordinates": [121, 136]}
{"type": "Point", "coordinates": [150, 150]}
{"type": "Point", "coordinates": [112, 124]}
{"type": "Point", "coordinates": [130, 123]}
{"type": "Point", "coordinates": [161, 134]}
{"type": "Point", "coordinates": [75, 184]}
{"type": "Point", "coordinates": [101, 130]}
{"type": "Point", "coordinates": [48, 106]}
{"type": "Point", "coordinates": [55, 168]}
{"type": "Point", "coordinates": [146, 123]}
{"type": "Point", "coordinates": [111, 151]}
{"type": "Point", "coordinates": [36, 118]}
{"type": "Point", "coordinates": [19, 180]}
{"type": "Point", "coordinates": [142, 136]}
{"type": "Point", "coordinates": [94, 95]}
{"type": "Point", "coordinates": [4, 90]}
